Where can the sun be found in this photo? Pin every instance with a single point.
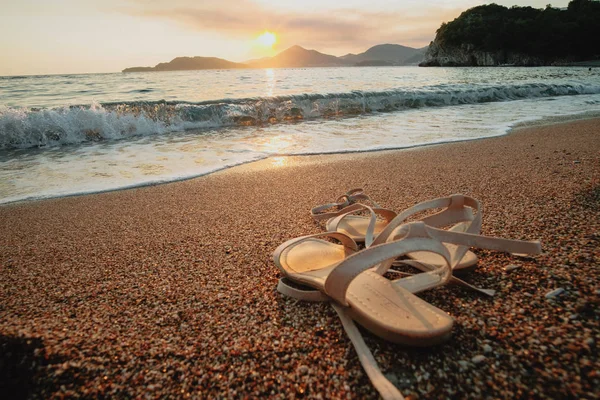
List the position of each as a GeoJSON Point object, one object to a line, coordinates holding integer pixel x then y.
{"type": "Point", "coordinates": [267, 39]}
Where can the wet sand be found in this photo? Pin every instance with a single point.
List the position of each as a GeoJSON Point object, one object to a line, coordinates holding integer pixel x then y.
{"type": "Point", "coordinates": [170, 290]}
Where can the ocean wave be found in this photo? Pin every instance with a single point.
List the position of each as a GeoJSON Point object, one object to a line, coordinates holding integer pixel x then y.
{"type": "Point", "coordinates": [35, 127]}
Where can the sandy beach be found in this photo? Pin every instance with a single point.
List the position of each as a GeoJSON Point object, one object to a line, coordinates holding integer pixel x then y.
{"type": "Point", "coordinates": [170, 290]}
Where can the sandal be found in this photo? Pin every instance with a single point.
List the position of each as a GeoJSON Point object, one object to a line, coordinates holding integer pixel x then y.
{"type": "Point", "coordinates": [352, 280]}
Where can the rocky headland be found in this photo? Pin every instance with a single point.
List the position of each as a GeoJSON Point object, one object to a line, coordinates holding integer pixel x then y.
{"type": "Point", "coordinates": [440, 55]}
{"type": "Point", "coordinates": [494, 35]}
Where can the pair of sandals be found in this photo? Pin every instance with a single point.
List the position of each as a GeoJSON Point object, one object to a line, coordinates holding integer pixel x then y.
{"type": "Point", "coordinates": [315, 269]}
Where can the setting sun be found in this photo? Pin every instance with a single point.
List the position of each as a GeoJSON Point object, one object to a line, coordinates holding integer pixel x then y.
{"type": "Point", "coordinates": [267, 39]}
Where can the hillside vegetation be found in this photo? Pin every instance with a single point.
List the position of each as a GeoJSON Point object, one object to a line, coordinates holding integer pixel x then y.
{"type": "Point", "coordinates": [550, 33]}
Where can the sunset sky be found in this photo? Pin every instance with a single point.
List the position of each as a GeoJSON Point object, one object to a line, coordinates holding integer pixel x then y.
{"type": "Point", "coordinates": [79, 36]}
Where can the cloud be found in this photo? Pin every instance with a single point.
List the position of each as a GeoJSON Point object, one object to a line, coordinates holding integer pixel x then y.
{"type": "Point", "coordinates": [336, 29]}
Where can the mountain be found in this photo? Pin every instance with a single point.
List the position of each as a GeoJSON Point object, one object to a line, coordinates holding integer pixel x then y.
{"type": "Point", "coordinates": [190, 63]}
{"type": "Point", "coordinates": [394, 54]}
{"type": "Point", "coordinates": [299, 57]}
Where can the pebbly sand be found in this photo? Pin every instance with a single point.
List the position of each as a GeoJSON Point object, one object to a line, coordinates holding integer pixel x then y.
{"type": "Point", "coordinates": [170, 290]}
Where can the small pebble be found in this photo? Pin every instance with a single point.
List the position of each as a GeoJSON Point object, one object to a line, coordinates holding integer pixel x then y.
{"type": "Point", "coordinates": [511, 267]}
{"type": "Point", "coordinates": [487, 348]}
{"type": "Point", "coordinates": [552, 294]}
{"type": "Point", "coordinates": [463, 364]}
{"type": "Point", "coordinates": [303, 370]}
{"type": "Point", "coordinates": [478, 359]}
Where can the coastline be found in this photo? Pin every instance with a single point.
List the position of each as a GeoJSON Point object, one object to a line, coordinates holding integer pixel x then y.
{"type": "Point", "coordinates": [169, 289]}
{"type": "Point", "coordinates": [533, 123]}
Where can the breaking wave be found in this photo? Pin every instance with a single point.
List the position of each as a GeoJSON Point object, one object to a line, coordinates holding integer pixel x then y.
{"type": "Point", "coordinates": [38, 127]}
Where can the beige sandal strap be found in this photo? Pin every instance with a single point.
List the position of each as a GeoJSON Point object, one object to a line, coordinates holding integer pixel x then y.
{"type": "Point", "coordinates": [353, 195]}
{"type": "Point", "coordinates": [318, 213]}
{"type": "Point", "coordinates": [427, 267]}
{"type": "Point", "coordinates": [382, 257]}
{"type": "Point", "coordinates": [350, 197]}
{"type": "Point", "coordinates": [344, 239]}
{"type": "Point", "coordinates": [471, 240]}
{"type": "Point", "coordinates": [457, 208]}
{"type": "Point", "coordinates": [388, 215]}
{"type": "Point", "coordinates": [454, 212]}
{"type": "Point", "coordinates": [305, 294]}
{"type": "Point", "coordinates": [485, 242]}
{"type": "Point", "coordinates": [386, 389]}
{"type": "Point", "coordinates": [460, 210]}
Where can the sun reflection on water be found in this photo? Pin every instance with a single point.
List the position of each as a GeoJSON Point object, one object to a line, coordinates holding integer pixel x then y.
{"type": "Point", "coordinates": [279, 161]}
{"type": "Point", "coordinates": [275, 144]}
{"type": "Point", "coordinates": [270, 80]}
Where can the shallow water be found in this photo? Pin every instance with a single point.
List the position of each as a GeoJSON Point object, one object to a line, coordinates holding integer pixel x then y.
{"type": "Point", "coordinates": [73, 134]}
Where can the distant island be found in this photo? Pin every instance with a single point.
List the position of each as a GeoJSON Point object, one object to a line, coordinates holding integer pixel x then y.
{"type": "Point", "coordinates": [390, 54]}
{"type": "Point", "coordinates": [190, 63]}
{"type": "Point", "coordinates": [492, 35]}
{"type": "Point", "coordinates": [299, 57]}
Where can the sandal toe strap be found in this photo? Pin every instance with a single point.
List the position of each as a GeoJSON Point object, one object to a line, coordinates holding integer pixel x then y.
{"type": "Point", "coordinates": [352, 196]}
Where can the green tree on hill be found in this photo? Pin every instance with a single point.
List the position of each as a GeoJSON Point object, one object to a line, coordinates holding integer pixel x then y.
{"type": "Point", "coordinates": [549, 33]}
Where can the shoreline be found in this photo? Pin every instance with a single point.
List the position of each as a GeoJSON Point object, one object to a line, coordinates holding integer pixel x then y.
{"type": "Point", "coordinates": [169, 290]}
{"type": "Point", "coordinates": [235, 69]}
{"type": "Point", "coordinates": [534, 123]}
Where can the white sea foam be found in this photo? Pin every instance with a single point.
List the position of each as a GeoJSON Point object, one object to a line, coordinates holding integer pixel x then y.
{"type": "Point", "coordinates": [96, 167]}
{"type": "Point", "coordinates": [33, 127]}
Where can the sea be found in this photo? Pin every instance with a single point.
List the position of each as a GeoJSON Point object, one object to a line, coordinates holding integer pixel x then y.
{"type": "Point", "coordinates": [64, 135]}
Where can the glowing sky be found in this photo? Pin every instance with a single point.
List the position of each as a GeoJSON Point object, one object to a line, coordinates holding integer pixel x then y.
{"type": "Point", "coordinates": [72, 36]}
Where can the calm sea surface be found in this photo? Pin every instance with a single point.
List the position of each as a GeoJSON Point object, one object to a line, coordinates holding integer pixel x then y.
{"type": "Point", "coordinates": [69, 134]}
